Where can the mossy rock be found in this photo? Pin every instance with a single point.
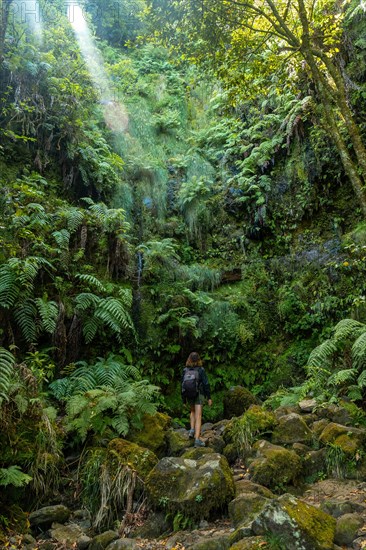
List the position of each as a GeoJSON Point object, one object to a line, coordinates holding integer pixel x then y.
{"type": "Point", "coordinates": [177, 441]}
{"type": "Point", "coordinates": [291, 429]}
{"type": "Point", "coordinates": [197, 452]}
{"type": "Point", "coordinates": [153, 434]}
{"type": "Point", "coordinates": [246, 507]}
{"type": "Point", "coordinates": [347, 528]}
{"type": "Point", "coordinates": [275, 467]}
{"type": "Point", "coordinates": [250, 543]}
{"type": "Point", "coordinates": [100, 542]}
{"type": "Point", "coordinates": [237, 400]}
{"type": "Point", "coordinates": [254, 421]}
{"type": "Point", "coordinates": [138, 458]}
{"type": "Point", "coordinates": [246, 486]}
{"type": "Point", "coordinates": [347, 438]}
{"type": "Point", "coordinates": [298, 525]}
{"type": "Point", "coordinates": [195, 488]}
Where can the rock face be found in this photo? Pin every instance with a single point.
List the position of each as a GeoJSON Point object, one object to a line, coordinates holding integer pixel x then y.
{"type": "Point", "coordinates": [298, 525]}
{"type": "Point", "coordinates": [194, 487]}
{"type": "Point", "coordinates": [49, 514]}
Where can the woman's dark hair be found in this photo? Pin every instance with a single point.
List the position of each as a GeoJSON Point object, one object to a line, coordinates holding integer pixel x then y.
{"type": "Point", "coordinates": [194, 360]}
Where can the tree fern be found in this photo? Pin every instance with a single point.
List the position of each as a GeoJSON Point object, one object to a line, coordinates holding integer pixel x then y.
{"type": "Point", "coordinates": [48, 311]}
{"type": "Point", "coordinates": [13, 476]}
{"type": "Point", "coordinates": [7, 362]}
{"type": "Point", "coordinates": [348, 328]}
{"type": "Point", "coordinates": [91, 326]}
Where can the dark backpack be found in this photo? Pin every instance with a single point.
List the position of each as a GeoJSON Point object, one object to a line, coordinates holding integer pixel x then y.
{"type": "Point", "coordinates": [190, 383]}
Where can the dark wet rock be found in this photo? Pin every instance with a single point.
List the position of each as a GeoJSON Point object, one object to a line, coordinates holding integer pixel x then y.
{"type": "Point", "coordinates": [100, 542]}
{"type": "Point", "coordinates": [48, 515]}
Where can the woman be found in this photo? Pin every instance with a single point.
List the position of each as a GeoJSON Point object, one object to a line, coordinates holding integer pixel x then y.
{"type": "Point", "coordinates": [194, 365]}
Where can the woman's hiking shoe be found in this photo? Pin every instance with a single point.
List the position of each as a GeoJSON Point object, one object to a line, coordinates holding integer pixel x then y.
{"type": "Point", "coordinates": [199, 443]}
{"type": "Point", "coordinates": [191, 434]}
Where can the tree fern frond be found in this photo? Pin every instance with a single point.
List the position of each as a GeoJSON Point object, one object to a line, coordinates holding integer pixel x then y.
{"type": "Point", "coordinates": [76, 404]}
{"type": "Point", "coordinates": [86, 300]}
{"type": "Point", "coordinates": [61, 389]}
{"type": "Point", "coordinates": [7, 362]}
{"type": "Point", "coordinates": [13, 476]}
{"type": "Point", "coordinates": [105, 402]}
{"type": "Point", "coordinates": [113, 314]}
{"type": "Point", "coordinates": [62, 238]}
{"type": "Point", "coordinates": [91, 280]}
{"type": "Point", "coordinates": [125, 296]}
{"type": "Point", "coordinates": [354, 393]}
{"type": "Point", "coordinates": [322, 355]}
{"type": "Point", "coordinates": [9, 288]}
{"type": "Point", "coordinates": [75, 218]}
{"type": "Point", "coordinates": [347, 328]}
{"type": "Point", "coordinates": [25, 315]}
{"type": "Point", "coordinates": [121, 425]}
{"type": "Point", "coordinates": [359, 351]}
{"type": "Point", "coordinates": [342, 376]}
{"type": "Point", "coordinates": [48, 311]}
{"type": "Point", "coordinates": [361, 380]}
{"type": "Point", "coordinates": [83, 380]}
{"type": "Point", "coordinates": [90, 328]}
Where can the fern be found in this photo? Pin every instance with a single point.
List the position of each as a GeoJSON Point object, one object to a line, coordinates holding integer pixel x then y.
{"type": "Point", "coordinates": [62, 238]}
{"type": "Point", "coordinates": [7, 362]}
{"type": "Point", "coordinates": [25, 316]}
{"type": "Point", "coordinates": [342, 376]}
{"type": "Point", "coordinates": [322, 355]}
{"type": "Point", "coordinates": [13, 476]}
{"type": "Point", "coordinates": [9, 288]}
{"type": "Point", "coordinates": [86, 300]}
{"type": "Point", "coordinates": [91, 326]}
{"type": "Point", "coordinates": [91, 281]}
{"type": "Point", "coordinates": [48, 312]}
{"type": "Point", "coordinates": [361, 380]}
{"type": "Point", "coordinates": [347, 328]}
{"type": "Point", "coordinates": [359, 351]}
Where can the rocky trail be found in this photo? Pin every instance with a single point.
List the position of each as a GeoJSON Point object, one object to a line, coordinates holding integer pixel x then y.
{"type": "Point", "coordinates": [301, 488]}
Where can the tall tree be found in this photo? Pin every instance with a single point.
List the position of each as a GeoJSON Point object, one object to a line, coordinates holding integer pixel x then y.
{"type": "Point", "coordinates": [304, 35]}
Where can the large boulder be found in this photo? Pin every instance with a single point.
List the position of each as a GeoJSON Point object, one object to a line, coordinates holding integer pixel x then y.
{"type": "Point", "coordinates": [274, 466]}
{"type": "Point", "coordinates": [347, 438]}
{"type": "Point", "coordinates": [153, 434]}
{"type": "Point", "coordinates": [237, 400]}
{"type": "Point", "coordinates": [291, 429]}
{"type": "Point", "coordinates": [193, 487]}
{"type": "Point", "coordinates": [70, 534]}
{"type": "Point", "coordinates": [49, 514]}
{"type": "Point", "coordinates": [246, 507]}
{"type": "Point", "coordinates": [298, 525]}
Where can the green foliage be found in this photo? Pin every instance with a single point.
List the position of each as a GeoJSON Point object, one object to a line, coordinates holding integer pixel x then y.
{"type": "Point", "coordinates": [7, 361]}
{"type": "Point", "coordinates": [105, 395]}
{"type": "Point", "coordinates": [13, 476]}
{"type": "Point", "coordinates": [339, 362]}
